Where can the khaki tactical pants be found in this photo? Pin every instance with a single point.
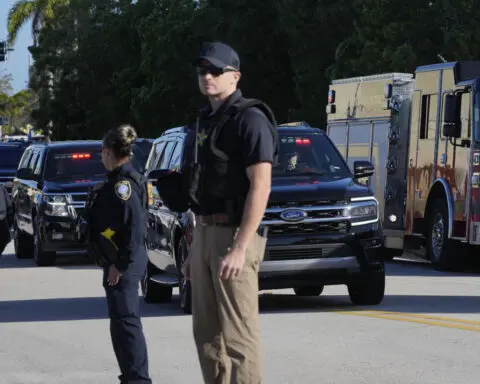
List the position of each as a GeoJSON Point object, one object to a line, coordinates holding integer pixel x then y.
{"type": "Point", "coordinates": [225, 312]}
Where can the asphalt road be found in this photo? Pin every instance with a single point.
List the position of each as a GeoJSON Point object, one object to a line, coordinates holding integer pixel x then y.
{"type": "Point", "coordinates": [54, 329]}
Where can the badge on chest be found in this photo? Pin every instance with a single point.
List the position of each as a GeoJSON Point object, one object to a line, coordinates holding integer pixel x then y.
{"type": "Point", "coordinates": [123, 189]}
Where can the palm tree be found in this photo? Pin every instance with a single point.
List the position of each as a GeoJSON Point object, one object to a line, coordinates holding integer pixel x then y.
{"type": "Point", "coordinates": [40, 11]}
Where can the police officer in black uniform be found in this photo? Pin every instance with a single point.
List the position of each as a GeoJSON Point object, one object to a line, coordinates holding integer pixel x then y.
{"type": "Point", "coordinates": [116, 241]}
{"type": "Point", "coordinates": [6, 218]}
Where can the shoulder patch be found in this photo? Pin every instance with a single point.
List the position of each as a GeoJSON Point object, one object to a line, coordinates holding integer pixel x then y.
{"type": "Point", "coordinates": [123, 189]}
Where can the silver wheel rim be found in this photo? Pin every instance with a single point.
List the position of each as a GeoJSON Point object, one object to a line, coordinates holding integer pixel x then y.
{"type": "Point", "coordinates": [438, 229]}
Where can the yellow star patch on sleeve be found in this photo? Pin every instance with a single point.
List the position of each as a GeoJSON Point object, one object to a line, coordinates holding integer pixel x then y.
{"type": "Point", "coordinates": [123, 189]}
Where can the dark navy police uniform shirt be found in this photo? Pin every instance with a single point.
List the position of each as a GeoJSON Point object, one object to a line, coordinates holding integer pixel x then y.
{"type": "Point", "coordinates": [119, 216]}
{"type": "Point", "coordinates": [247, 140]}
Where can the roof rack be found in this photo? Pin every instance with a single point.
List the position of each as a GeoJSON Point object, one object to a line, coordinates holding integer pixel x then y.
{"type": "Point", "coordinates": [180, 129]}
{"type": "Point", "coordinates": [295, 124]}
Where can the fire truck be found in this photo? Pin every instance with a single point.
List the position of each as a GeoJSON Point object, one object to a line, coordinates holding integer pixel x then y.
{"type": "Point", "coordinates": [421, 131]}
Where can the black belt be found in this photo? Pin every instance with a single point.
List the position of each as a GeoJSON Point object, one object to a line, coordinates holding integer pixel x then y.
{"type": "Point", "coordinates": [222, 219]}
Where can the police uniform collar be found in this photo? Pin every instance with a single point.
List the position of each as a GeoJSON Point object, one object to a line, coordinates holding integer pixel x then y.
{"type": "Point", "coordinates": [121, 170]}
{"type": "Point", "coordinates": [206, 110]}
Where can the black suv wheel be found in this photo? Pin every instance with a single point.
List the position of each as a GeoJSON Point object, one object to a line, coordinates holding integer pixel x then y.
{"type": "Point", "coordinates": [41, 257]}
{"type": "Point", "coordinates": [184, 287]}
{"type": "Point", "coordinates": [369, 291]}
{"type": "Point", "coordinates": [153, 292]}
{"type": "Point", "coordinates": [22, 242]}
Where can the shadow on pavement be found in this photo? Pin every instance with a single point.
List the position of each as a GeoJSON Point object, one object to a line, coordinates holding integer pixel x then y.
{"type": "Point", "coordinates": [395, 303]}
{"type": "Point", "coordinates": [73, 261]}
{"type": "Point", "coordinates": [78, 308]}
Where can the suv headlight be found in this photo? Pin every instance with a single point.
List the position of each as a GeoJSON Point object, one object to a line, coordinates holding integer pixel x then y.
{"type": "Point", "coordinates": [55, 205]}
{"type": "Point", "coordinates": [361, 212]}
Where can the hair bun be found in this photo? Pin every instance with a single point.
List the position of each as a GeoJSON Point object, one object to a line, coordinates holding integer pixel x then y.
{"type": "Point", "coordinates": [120, 140]}
{"type": "Point", "coordinates": [130, 135]}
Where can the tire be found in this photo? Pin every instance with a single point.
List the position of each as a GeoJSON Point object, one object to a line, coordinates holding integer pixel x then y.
{"type": "Point", "coordinates": [41, 257]}
{"type": "Point", "coordinates": [439, 246]}
{"type": "Point", "coordinates": [308, 291]}
{"type": "Point", "coordinates": [184, 287]}
{"type": "Point", "coordinates": [153, 292]}
{"type": "Point", "coordinates": [369, 291]}
{"type": "Point", "coordinates": [23, 243]}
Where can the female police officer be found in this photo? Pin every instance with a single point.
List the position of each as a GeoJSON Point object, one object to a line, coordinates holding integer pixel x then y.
{"type": "Point", "coordinates": [117, 228]}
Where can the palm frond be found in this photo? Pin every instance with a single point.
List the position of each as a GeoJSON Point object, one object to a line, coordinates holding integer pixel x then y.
{"type": "Point", "coordinates": [18, 15]}
{"type": "Point", "coordinates": [48, 7]}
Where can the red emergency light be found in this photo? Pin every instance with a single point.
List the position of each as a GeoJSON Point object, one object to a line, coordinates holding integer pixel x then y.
{"type": "Point", "coordinates": [302, 141]}
{"type": "Point", "coordinates": [81, 156]}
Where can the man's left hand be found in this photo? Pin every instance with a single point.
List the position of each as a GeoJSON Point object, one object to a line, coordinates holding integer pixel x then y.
{"type": "Point", "coordinates": [232, 264]}
{"type": "Point", "coordinates": [114, 275]}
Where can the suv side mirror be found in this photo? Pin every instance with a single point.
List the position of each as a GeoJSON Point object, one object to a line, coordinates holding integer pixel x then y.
{"type": "Point", "coordinates": [452, 126]}
{"type": "Point", "coordinates": [25, 173]}
{"type": "Point", "coordinates": [362, 169]}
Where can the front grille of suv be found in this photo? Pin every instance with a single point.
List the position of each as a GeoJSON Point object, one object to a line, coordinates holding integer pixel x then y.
{"type": "Point", "coordinates": [308, 228]}
{"type": "Point", "coordinates": [76, 202]}
{"type": "Point", "coordinates": [322, 217]}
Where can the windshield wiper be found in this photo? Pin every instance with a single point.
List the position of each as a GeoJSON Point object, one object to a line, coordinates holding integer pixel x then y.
{"type": "Point", "coordinates": [311, 173]}
{"type": "Point", "coordinates": [72, 176]}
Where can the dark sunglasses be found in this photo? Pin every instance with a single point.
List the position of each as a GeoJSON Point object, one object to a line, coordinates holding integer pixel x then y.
{"type": "Point", "coordinates": [214, 71]}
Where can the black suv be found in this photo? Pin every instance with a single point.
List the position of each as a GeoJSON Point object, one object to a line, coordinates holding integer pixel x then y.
{"type": "Point", "coordinates": [10, 155]}
{"type": "Point", "coordinates": [49, 191]}
{"type": "Point", "coordinates": [169, 233]}
{"type": "Point", "coordinates": [323, 225]}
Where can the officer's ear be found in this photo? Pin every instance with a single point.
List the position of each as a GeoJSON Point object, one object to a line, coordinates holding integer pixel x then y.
{"type": "Point", "coordinates": [237, 76]}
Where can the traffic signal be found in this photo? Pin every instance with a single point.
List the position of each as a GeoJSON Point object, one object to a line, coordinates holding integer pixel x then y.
{"type": "Point", "coordinates": [3, 50]}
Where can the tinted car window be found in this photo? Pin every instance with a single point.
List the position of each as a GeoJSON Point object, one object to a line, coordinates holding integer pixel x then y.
{"type": "Point", "coordinates": [154, 155]}
{"type": "Point", "coordinates": [145, 146]}
{"type": "Point", "coordinates": [177, 156]}
{"type": "Point", "coordinates": [166, 155]}
{"type": "Point", "coordinates": [10, 156]}
{"type": "Point", "coordinates": [309, 153]}
{"type": "Point", "coordinates": [139, 159]}
{"type": "Point", "coordinates": [67, 162]}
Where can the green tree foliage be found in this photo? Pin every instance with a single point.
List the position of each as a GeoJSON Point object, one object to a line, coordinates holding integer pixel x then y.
{"type": "Point", "coordinates": [17, 107]}
{"type": "Point", "coordinates": [102, 62]}
{"type": "Point", "coordinates": [39, 11]}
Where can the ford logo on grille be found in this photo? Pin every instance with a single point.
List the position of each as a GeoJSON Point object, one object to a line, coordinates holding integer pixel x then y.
{"type": "Point", "coordinates": [293, 215]}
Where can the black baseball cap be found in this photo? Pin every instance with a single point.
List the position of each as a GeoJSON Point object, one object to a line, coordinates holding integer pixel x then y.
{"type": "Point", "coordinates": [220, 55]}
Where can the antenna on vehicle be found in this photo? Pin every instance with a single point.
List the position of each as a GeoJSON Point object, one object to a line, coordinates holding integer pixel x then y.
{"type": "Point", "coordinates": [442, 58]}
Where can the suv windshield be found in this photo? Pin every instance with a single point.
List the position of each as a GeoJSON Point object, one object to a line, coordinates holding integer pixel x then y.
{"type": "Point", "coordinates": [308, 154]}
{"type": "Point", "coordinates": [10, 155]}
{"type": "Point", "coordinates": [71, 162]}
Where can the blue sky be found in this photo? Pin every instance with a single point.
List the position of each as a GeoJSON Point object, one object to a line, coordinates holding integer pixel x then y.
{"type": "Point", "coordinates": [17, 63]}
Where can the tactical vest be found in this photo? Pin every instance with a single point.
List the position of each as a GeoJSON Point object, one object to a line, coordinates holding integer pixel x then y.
{"type": "Point", "coordinates": [211, 174]}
